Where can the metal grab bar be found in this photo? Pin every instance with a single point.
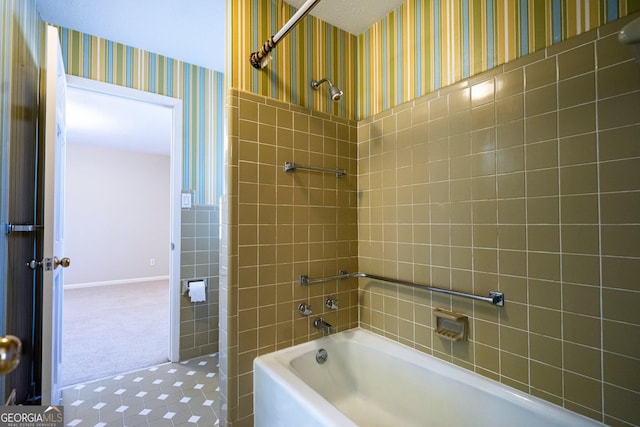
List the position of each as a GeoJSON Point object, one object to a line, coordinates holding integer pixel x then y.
{"type": "Point", "coordinates": [290, 166]}
{"type": "Point", "coordinates": [304, 280]}
{"type": "Point", "coordinates": [495, 297]}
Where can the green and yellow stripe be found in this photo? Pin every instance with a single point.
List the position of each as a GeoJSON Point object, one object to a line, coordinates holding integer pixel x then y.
{"type": "Point", "coordinates": [312, 50]}
{"type": "Point", "coordinates": [424, 45]}
{"type": "Point", "coordinates": [200, 89]}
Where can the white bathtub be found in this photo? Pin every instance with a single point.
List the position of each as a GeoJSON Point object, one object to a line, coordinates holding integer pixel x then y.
{"type": "Point", "coordinates": [369, 380]}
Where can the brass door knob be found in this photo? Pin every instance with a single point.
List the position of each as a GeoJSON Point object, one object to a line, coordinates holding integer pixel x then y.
{"type": "Point", "coordinates": [64, 262]}
{"type": "Point", "coordinates": [10, 353]}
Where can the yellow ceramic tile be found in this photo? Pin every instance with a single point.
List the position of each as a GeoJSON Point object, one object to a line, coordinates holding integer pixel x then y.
{"type": "Point", "coordinates": [543, 210]}
{"type": "Point", "coordinates": [511, 236]}
{"type": "Point", "coordinates": [460, 211]}
{"type": "Point", "coordinates": [460, 167]}
{"type": "Point", "coordinates": [541, 128]}
{"type": "Point", "coordinates": [487, 358]}
{"type": "Point", "coordinates": [544, 238]}
{"type": "Point", "coordinates": [510, 109]}
{"type": "Point", "coordinates": [542, 155]}
{"type": "Point", "coordinates": [620, 208]}
{"type": "Point", "coordinates": [514, 367]}
{"type": "Point", "coordinates": [543, 183]}
{"type": "Point", "coordinates": [515, 287]}
{"type": "Point", "coordinates": [611, 51]}
{"type": "Point", "coordinates": [509, 84]}
{"type": "Point", "coordinates": [483, 188]}
{"type": "Point", "coordinates": [512, 211]}
{"type": "Point", "coordinates": [460, 145]}
{"type": "Point", "coordinates": [514, 341]}
{"type": "Point", "coordinates": [266, 114]}
{"type": "Point", "coordinates": [619, 175]}
{"type": "Point", "coordinates": [582, 360]}
{"type": "Point", "coordinates": [483, 140]}
{"type": "Point", "coordinates": [621, 240]}
{"type": "Point", "coordinates": [460, 123]}
{"type": "Point", "coordinates": [576, 61]}
{"type": "Point", "coordinates": [581, 269]}
{"type": "Point", "coordinates": [545, 293]}
{"type": "Point", "coordinates": [580, 209]}
{"type": "Point", "coordinates": [577, 120]}
{"type": "Point", "coordinates": [576, 91]}
{"type": "Point", "coordinates": [510, 185]}
{"type": "Point", "coordinates": [510, 134]}
{"type": "Point", "coordinates": [618, 111]}
{"type": "Point", "coordinates": [621, 305]}
{"type": "Point", "coordinates": [621, 404]}
{"type": "Point", "coordinates": [483, 117]}
{"type": "Point", "coordinates": [485, 260]}
{"type": "Point", "coordinates": [620, 273]}
{"type": "Point", "coordinates": [248, 110]}
{"type": "Point", "coordinates": [546, 378]}
{"type": "Point", "coordinates": [546, 350]}
{"type": "Point", "coordinates": [581, 299]}
{"type": "Point", "coordinates": [541, 100]}
{"type": "Point", "coordinates": [580, 239]}
{"type": "Point", "coordinates": [544, 266]}
{"type": "Point", "coordinates": [621, 371]}
{"type": "Point", "coordinates": [510, 159]}
{"type": "Point", "coordinates": [540, 73]}
{"type": "Point", "coordinates": [582, 390]}
{"type": "Point", "coordinates": [485, 236]}
{"type": "Point", "coordinates": [581, 329]}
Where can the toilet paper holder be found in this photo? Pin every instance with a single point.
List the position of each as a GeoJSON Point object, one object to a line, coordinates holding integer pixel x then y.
{"type": "Point", "coordinates": [187, 282]}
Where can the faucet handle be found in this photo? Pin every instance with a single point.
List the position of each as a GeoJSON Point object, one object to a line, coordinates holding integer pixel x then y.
{"type": "Point", "coordinates": [331, 303]}
{"type": "Point", "coordinates": [304, 309]}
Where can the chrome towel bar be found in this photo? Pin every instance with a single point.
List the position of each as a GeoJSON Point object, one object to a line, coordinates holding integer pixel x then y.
{"type": "Point", "coordinates": [290, 167]}
{"type": "Point", "coordinates": [495, 298]}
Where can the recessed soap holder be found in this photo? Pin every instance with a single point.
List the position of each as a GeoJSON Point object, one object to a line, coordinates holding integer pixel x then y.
{"type": "Point", "coordinates": [452, 326]}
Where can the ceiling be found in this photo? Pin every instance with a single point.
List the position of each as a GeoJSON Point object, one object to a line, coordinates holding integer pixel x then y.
{"type": "Point", "coordinates": [353, 16]}
{"type": "Point", "coordinates": [192, 31]}
{"type": "Point", "coordinates": [120, 123]}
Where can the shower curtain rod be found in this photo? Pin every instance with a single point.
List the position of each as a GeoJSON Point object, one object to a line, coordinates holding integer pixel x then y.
{"type": "Point", "coordinates": [260, 58]}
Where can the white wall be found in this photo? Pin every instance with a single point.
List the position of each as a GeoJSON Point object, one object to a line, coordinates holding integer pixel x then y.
{"type": "Point", "coordinates": [117, 215]}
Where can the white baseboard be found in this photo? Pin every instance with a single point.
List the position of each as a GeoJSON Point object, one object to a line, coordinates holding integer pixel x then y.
{"type": "Point", "coordinates": [116, 282]}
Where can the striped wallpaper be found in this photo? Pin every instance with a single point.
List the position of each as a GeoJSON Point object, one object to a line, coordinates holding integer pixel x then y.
{"type": "Point", "coordinates": [425, 45]}
{"type": "Point", "coordinates": [201, 90]}
{"type": "Point", "coordinates": [312, 50]}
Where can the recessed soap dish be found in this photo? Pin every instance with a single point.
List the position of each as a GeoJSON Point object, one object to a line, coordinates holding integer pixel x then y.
{"type": "Point", "coordinates": [452, 326]}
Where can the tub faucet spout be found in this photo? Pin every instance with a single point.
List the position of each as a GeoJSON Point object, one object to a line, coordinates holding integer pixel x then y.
{"type": "Point", "coordinates": [318, 323]}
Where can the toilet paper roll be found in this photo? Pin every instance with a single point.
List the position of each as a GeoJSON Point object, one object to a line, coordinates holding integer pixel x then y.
{"type": "Point", "coordinates": [197, 291]}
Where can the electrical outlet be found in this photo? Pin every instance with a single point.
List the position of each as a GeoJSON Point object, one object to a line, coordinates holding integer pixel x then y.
{"type": "Point", "coordinates": [152, 261]}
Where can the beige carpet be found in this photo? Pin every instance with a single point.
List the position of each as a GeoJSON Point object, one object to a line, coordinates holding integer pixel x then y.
{"type": "Point", "coordinates": [109, 330]}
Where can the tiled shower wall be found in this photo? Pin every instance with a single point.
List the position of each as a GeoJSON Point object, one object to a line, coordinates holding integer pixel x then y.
{"type": "Point", "coordinates": [525, 179]}
{"type": "Point", "coordinates": [282, 225]}
{"type": "Point", "coordinates": [200, 258]}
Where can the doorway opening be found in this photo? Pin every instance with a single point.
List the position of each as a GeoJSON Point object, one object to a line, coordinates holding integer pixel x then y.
{"type": "Point", "coordinates": [122, 230]}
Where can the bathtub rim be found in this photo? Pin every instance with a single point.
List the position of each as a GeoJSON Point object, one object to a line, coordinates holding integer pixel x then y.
{"type": "Point", "coordinates": [279, 363]}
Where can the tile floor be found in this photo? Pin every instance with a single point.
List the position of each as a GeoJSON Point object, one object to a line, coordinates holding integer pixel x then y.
{"type": "Point", "coordinates": [171, 394]}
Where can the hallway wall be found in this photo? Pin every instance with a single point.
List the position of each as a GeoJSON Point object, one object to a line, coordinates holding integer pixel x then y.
{"type": "Point", "coordinates": [108, 219]}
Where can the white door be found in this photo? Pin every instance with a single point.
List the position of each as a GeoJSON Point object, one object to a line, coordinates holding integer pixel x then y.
{"type": "Point", "coordinates": [53, 246]}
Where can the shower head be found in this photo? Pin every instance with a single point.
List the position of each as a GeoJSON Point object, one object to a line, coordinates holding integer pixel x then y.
{"type": "Point", "coordinates": [335, 93]}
